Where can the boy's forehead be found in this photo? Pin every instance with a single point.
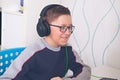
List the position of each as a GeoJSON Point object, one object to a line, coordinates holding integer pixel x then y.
{"type": "Point", "coordinates": [64, 19]}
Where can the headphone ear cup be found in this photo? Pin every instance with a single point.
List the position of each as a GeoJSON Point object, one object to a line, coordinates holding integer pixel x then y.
{"type": "Point", "coordinates": [43, 28]}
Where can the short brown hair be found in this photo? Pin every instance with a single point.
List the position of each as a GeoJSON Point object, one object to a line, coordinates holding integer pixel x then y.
{"type": "Point", "coordinates": [55, 12]}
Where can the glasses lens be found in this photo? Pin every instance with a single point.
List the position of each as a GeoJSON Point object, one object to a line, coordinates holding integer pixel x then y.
{"type": "Point", "coordinates": [64, 29]}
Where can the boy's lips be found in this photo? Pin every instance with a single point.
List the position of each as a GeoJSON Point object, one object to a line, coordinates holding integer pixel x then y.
{"type": "Point", "coordinates": [65, 38]}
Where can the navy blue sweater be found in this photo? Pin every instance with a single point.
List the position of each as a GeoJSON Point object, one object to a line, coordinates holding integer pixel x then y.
{"type": "Point", "coordinates": [40, 61]}
{"type": "Point", "coordinates": [45, 64]}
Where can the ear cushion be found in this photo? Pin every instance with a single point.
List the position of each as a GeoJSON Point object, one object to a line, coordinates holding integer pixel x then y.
{"type": "Point", "coordinates": [43, 28]}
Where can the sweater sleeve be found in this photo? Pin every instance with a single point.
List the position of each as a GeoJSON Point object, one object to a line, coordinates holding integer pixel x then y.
{"type": "Point", "coordinates": [86, 70]}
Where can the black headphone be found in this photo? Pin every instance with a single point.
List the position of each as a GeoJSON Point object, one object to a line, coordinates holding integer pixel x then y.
{"type": "Point", "coordinates": [43, 27]}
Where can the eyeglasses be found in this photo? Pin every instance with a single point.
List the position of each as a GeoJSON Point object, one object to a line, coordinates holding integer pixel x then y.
{"type": "Point", "coordinates": [63, 29]}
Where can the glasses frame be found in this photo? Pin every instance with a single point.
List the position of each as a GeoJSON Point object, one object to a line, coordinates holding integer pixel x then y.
{"type": "Point", "coordinates": [63, 29]}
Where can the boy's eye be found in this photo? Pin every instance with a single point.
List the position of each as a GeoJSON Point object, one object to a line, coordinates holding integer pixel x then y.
{"type": "Point", "coordinates": [64, 28]}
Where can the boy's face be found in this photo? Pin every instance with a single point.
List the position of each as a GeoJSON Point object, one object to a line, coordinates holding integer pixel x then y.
{"type": "Point", "coordinates": [56, 37]}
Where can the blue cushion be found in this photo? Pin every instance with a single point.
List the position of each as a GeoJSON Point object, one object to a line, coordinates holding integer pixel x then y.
{"type": "Point", "coordinates": [7, 56]}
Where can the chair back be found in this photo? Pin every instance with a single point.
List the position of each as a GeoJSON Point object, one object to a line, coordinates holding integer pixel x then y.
{"type": "Point", "coordinates": [7, 56]}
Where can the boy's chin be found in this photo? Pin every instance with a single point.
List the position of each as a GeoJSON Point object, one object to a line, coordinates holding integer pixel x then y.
{"type": "Point", "coordinates": [63, 44]}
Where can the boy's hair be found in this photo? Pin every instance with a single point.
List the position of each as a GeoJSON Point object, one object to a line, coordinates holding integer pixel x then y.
{"type": "Point", "coordinates": [55, 12]}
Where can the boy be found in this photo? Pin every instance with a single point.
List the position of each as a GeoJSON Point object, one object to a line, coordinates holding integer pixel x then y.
{"type": "Point", "coordinates": [50, 58]}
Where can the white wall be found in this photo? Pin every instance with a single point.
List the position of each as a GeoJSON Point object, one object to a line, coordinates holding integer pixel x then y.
{"type": "Point", "coordinates": [0, 3]}
{"type": "Point", "coordinates": [12, 5]}
{"type": "Point", "coordinates": [97, 33]}
{"type": "Point", "coordinates": [13, 25]}
{"type": "Point", "coordinates": [13, 31]}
